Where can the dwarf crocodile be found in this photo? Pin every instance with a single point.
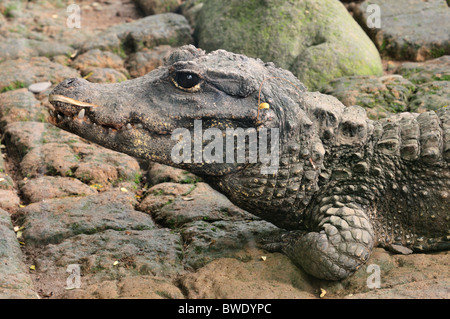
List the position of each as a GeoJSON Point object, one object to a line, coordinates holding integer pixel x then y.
{"type": "Point", "coordinates": [344, 183]}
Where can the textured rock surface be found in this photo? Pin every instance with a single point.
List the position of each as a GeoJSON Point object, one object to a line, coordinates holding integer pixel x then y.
{"type": "Point", "coordinates": [142, 62]}
{"type": "Point", "coordinates": [98, 59]}
{"type": "Point", "coordinates": [408, 28]}
{"type": "Point", "coordinates": [166, 28]}
{"type": "Point", "coordinates": [20, 105]}
{"type": "Point", "coordinates": [380, 96]}
{"type": "Point", "coordinates": [422, 72]}
{"type": "Point", "coordinates": [15, 282]}
{"type": "Point", "coordinates": [157, 6]}
{"type": "Point", "coordinates": [16, 74]}
{"type": "Point", "coordinates": [419, 87]}
{"type": "Point", "coordinates": [296, 35]}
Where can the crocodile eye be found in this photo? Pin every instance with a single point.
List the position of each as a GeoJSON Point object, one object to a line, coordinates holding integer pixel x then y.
{"type": "Point", "coordinates": [187, 80]}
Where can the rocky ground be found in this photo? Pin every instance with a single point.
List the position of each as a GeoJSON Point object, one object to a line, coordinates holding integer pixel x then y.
{"type": "Point", "coordinates": [144, 230]}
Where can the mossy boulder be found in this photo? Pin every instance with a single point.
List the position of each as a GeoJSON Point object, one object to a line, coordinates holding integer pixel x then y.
{"type": "Point", "coordinates": [317, 41]}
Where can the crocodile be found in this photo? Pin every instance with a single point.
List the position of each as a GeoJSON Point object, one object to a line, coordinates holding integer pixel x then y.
{"type": "Point", "coordinates": [344, 183]}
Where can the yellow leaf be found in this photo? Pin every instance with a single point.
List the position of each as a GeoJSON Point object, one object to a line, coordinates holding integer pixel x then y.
{"type": "Point", "coordinates": [124, 190]}
{"type": "Point", "coordinates": [264, 106]}
{"type": "Point", "coordinates": [323, 292]}
{"type": "Point", "coordinates": [19, 234]}
{"type": "Point", "coordinates": [115, 263]}
{"type": "Point", "coordinates": [33, 267]}
{"type": "Point", "coordinates": [263, 258]}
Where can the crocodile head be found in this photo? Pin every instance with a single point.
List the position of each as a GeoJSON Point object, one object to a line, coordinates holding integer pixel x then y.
{"type": "Point", "coordinates": [139, 116]}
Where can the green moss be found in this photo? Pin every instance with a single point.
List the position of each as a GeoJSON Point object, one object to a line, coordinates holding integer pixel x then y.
{"type": "Point", "coordinates": [10, 7]}
{"type": "Point", "coordinates": [445, 77]}
{"type": "Point", "coordinates": [437, 52]}
{"type": "Point", "coordinates": [13, 86]}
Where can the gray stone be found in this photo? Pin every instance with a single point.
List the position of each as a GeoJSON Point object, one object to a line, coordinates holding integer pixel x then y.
{"type": "Point", "coordinates": [45, 150]}
{"type": "Point", "coordinates": [98, 59]}
{"type": "Point", "coordinates": [410, 29]}
{"type": "Point", "coordinates": [430, 97]}
{"type": "Point", "coordinates": [157, 6]}
{"type": "Point", "coordinates": [11, 49]}
{"type": "Point", "coordinates": [142, 62]}
{"type": "Point", "coordinates": [15, 282]}
{"type": "Point", "coordinates": [39, 87]}
{"type": "Point", "coordinates": [422, 72]}
{"type": "Point", "coordinates": [47, 187]}
{"type": "Point", "coordinates": [104, 75]}
{"type": "Point", "coordinates": [165, 28]}
{"type": "Point", "coordinates": [159, 173]}
{"type": "Point", "coordinates": [174, 205]}
{"type": "Point", "coordinates": [20, 105]}
{"type": "Point", "coordinates": [380, 96]}
{"type": "Point", "coordinates": [21, 73]}
{"type": "Point", "coordinates": [54, 220]}
{"type": "Point", "coordinates": [206, 241]}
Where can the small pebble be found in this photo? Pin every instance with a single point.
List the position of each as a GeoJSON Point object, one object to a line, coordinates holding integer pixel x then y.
{"type": "Point", "coordinates": [39, 87]}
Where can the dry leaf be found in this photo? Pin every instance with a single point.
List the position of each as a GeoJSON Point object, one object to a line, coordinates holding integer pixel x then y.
{"type": "Point", "coordinates": [323, 292]}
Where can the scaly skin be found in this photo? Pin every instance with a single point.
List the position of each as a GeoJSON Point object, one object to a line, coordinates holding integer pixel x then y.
{"type": "Point", "coordinates": [344, 184]}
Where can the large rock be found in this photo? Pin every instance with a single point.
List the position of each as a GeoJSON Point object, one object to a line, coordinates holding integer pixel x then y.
{"type": "Point", "coordinates": [43, 149]}
{"type": "Point", "coordinates": [249, 278]}
{"type": "Point", "coordinates": [15, 282]}
{"type": "Point", "coordinates": [20, 105]}
{"type": "Point", "coordinates": [15, 74]}
{"type": "Point", "coordinates": [380, 96]}
{"type": "Point", "coordinates": [173, 205]}
{"type": "Point", "coordinates": [98, 59]}
{"type": "Point", "coordinates": [131, 287]}
{"type": "Point", "coordinates": [142, 62]}
{"type": "Point", "coordinates": [47, 187]}
{"type": "Point", "coordinates": [422, 72]}
{"type": "Point", "coordinates": [431, 97]}
{"type": "Point", "coordinates": [11, 49]}
{"type": "Point", "coordinates": [104, 236]}
{"type": "Point", "coordinates": [419, 87]}
{"type": "Point", "coordinates": [410, 29]}
{"type": "Point", "coordinates": [165, 28]}
{"type": "Point", "coordinates": [157, 6]}
{"type": "Point", "coordinates": [317, 41]}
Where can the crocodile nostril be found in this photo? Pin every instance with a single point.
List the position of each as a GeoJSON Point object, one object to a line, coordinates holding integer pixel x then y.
{"type": "Point", "coordinates": [71, 82]}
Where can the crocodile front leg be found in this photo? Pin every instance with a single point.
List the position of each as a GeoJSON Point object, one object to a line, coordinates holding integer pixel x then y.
{"type": "Point", "coordinates": [342, 243]}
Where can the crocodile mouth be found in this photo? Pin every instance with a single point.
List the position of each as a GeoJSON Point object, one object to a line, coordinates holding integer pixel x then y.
{"type": "Point", "coordinates": [68, 112]}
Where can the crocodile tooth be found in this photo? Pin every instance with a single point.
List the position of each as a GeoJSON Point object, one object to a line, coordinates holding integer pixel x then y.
{"type": "Point", "coordinates": [129, 127]}
{"type": "Point", "coordinates": [81, 114]}
{"type": "Point", "coordinates": [60, 117]}
{"type": "Point", "coordinates": [52, 114]}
